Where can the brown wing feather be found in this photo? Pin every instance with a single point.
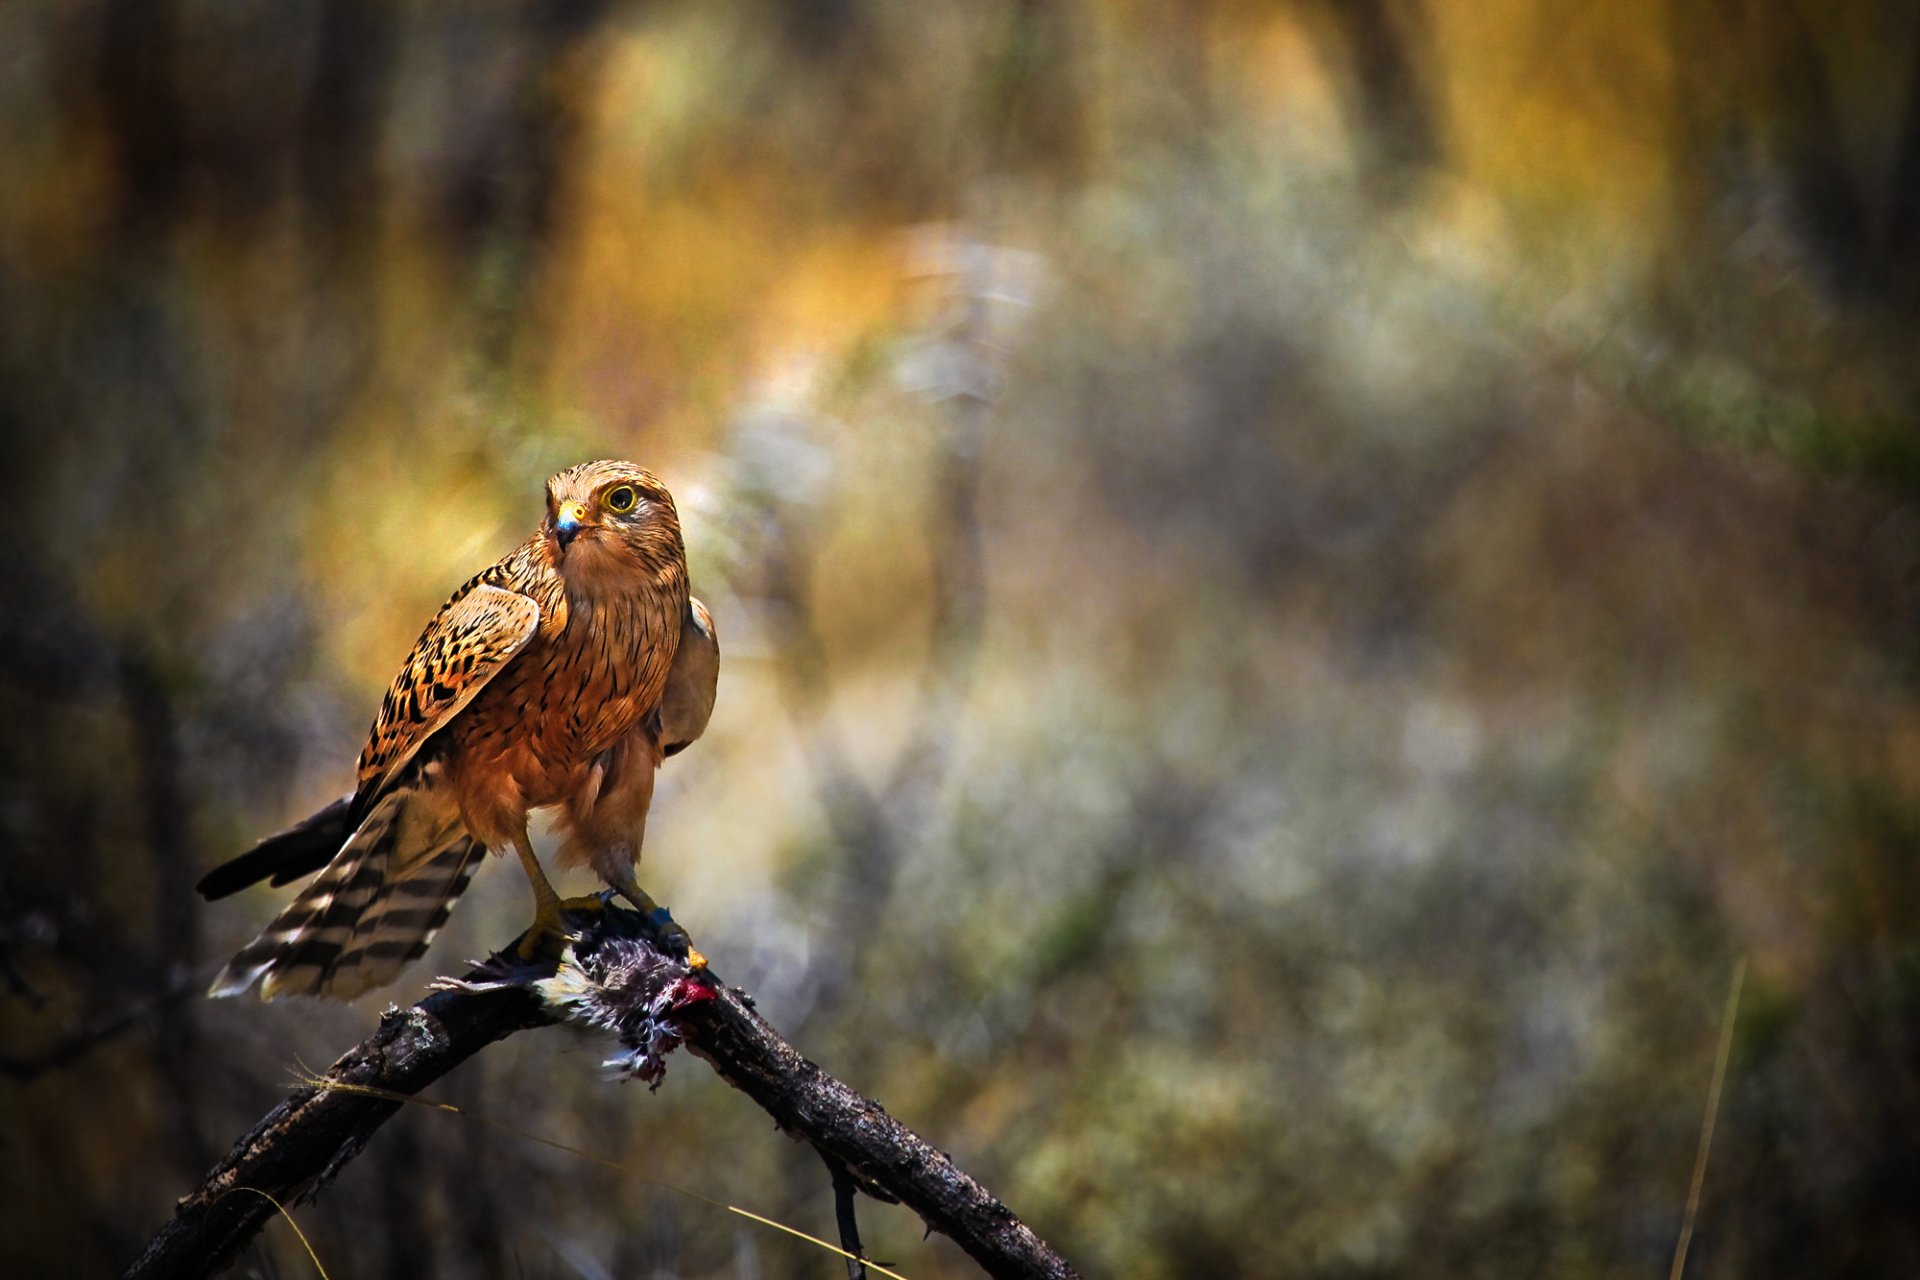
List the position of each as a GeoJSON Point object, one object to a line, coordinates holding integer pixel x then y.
{"type": "Point", "coordinates": [462, 648]}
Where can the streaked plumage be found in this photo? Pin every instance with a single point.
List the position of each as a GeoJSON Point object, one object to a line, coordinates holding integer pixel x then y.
{"type": "Point", "coordinates": [559, 677]}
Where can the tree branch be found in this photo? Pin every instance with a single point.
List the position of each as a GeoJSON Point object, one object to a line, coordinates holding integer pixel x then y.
{"type": "Point", "coordinates": [612, 979]}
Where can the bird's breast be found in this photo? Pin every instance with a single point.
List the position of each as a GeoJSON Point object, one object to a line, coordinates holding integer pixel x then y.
{"type": "Point", "coordinates": [572, 693]}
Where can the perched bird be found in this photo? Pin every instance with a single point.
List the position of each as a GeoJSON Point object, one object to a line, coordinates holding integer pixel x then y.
{"type": "Point", "coordinates": [558, 678]}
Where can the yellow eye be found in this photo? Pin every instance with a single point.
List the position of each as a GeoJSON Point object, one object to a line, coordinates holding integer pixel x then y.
{"type": "Point", "coordinates": [621, 500]}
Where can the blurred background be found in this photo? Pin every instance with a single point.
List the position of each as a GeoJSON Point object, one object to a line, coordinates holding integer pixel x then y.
{"type": "Point", "coordinates": [1300, 582]}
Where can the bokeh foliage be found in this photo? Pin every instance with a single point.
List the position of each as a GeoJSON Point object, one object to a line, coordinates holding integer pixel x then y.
{"type": "Point", "coordinates": [1299, 582]}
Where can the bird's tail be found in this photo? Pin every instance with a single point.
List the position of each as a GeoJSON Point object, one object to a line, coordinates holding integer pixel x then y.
{"type": "Point", "coordinates": [300, 850]}
{"type": "Point", "coordinates": [369, 914]}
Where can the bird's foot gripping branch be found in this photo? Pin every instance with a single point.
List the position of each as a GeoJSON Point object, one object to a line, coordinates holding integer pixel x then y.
{"type": "Point", "coordinates": [613, 977]}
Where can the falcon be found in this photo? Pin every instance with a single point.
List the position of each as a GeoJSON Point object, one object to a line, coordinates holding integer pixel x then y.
{"type": "Point", "coordinates": [558, 678]}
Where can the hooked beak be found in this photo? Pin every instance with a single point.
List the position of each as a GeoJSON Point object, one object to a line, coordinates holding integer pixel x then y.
{"type": "Point", "coordinates": [567, 523]}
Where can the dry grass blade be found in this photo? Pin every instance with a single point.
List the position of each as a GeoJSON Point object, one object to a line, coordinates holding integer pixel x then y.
{"type": "Point", "coordinates": [298, 1233]}
{"type": "Point", "coordinates": [1706, 1123]}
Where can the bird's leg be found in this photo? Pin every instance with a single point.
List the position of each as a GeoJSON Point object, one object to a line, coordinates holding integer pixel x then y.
{"type": "Point", "coordinates": [549, 927]}
{"type": "Point", "coordinates": [676, 938]}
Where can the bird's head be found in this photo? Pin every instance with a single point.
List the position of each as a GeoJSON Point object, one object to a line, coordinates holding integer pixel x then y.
{"type": "Point", "coordinates": [611, 524]}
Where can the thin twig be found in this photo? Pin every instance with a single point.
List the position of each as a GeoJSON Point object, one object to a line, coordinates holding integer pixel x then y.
{"type": "Point", "coordinates": [845, 1218]}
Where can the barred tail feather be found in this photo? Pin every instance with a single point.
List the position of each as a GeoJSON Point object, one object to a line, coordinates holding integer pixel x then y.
{"type": "Point", "coordinates": [399, 925]}
{"type": "Point", "coordinates": [369, 914]}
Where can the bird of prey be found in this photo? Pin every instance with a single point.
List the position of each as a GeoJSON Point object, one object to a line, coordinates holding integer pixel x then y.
{"type": "Point", "coordinates": [559, 678]}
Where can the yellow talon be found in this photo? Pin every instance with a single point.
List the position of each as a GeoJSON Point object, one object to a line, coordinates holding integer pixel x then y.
{"type": "Point", "coordinates": [548, 933]}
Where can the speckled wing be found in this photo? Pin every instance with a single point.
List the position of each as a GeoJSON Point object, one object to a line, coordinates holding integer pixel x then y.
{"type": "Point", "coordinates": [476, 634]}
{"type": "Point", "coordinates": [692, 681]}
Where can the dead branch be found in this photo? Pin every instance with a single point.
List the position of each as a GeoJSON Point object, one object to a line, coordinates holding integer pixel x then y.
{"type": "Point", "coordinates": [615, 980]}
